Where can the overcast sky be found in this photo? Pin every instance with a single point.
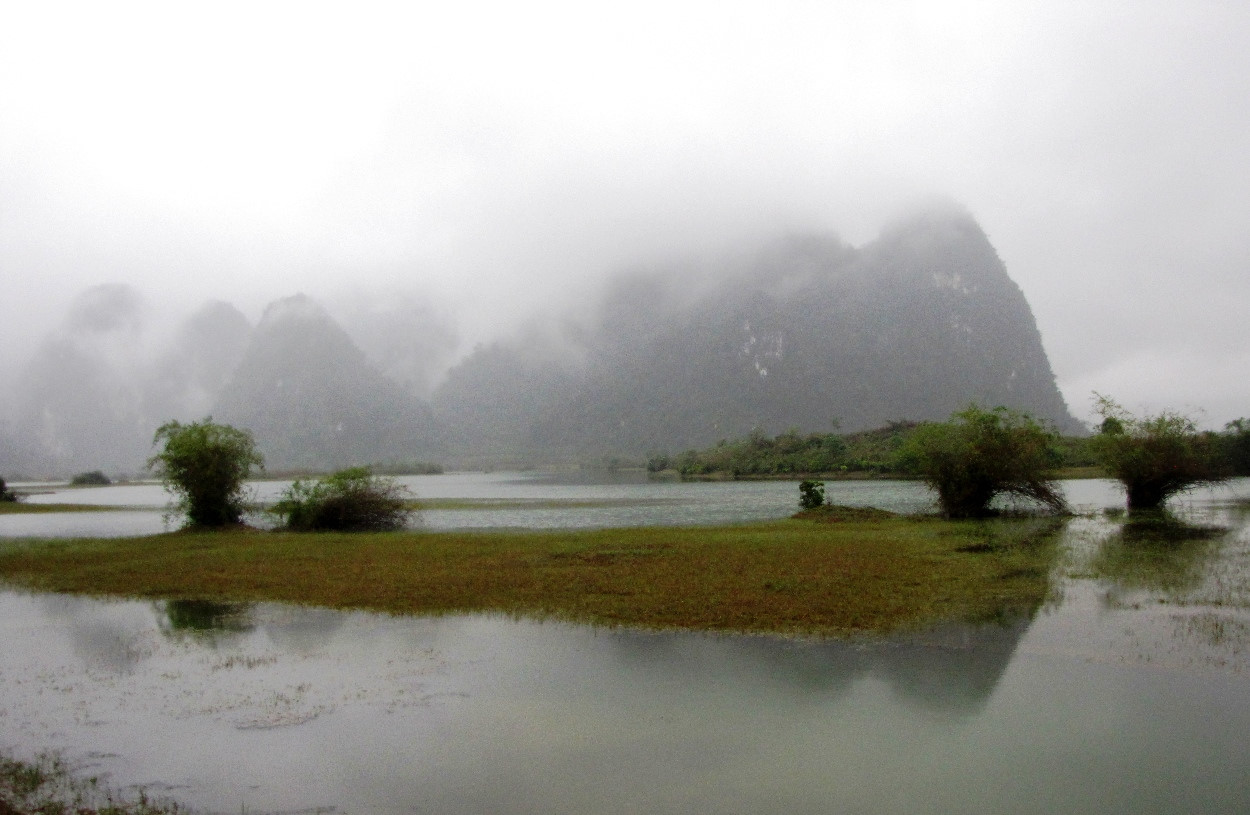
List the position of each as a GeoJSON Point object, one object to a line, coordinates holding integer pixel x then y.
{"type": "Point", "coordinates": [501, 157]}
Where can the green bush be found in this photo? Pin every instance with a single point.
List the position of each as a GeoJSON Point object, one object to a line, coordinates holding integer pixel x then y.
{"type": "Point", "coordinates": [95, 478]}
{"type": "Point", "coordinates": [811, 494]}
{"type": "Point", "coordinates": [981, 454]}
{"type": "Point", "coordinates": [352, 500]}
{"type": "Point", "coordinates": [1156, 457]}
{"type": "Point", "coordinates": [1236, 444]}
{"type": "Point", "coordinates": [205, 465]}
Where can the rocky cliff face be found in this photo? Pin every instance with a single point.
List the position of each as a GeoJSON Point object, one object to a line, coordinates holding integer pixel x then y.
{"type": "Point", "coordinates": [915, 325]}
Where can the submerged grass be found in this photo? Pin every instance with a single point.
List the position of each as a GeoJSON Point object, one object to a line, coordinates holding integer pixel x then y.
{"type": "Point", "coordinates": [793, 576]}
{"type": "Point", "coordinates": [48, 786]}
{"type": "Point", "coordinates": [535, 503]}
{"type": "Point", "coordinates": [23, 508]}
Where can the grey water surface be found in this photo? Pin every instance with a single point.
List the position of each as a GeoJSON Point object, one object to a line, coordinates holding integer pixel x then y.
{"type": "Point", "coordinates": [516, 500]}
{"type": "Point", "coordinates": [490, 501]}
{"type": "Point", "coordinates": [1127, 692]}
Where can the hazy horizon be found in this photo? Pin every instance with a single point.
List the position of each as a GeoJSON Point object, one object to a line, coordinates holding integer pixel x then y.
{"type": "Point", "coordinates": [482, 164]}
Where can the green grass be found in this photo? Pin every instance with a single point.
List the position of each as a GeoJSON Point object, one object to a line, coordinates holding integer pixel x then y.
{"type": "Point", "coordinates": [793, 576]}
{"type": "Point", "coordinates": [535, 503]}
{"type": "Point", "coordinates": [23, 508]}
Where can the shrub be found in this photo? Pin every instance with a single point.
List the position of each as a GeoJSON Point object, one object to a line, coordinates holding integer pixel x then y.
{"type": "Point", "coordinates": [1155, 457]}
{"type": "Point", "coordinates": [981, 454]}
{"type": "Point", "coordinates": [95, 478]}
{"type": "Point", "coordinates": [811, 494]}
{"type": "Point", "coordinates": [6, 494]}
{"type": "Point", "coordinates": [352, 500]}
{"type": "Point", "coordinates": [205, 465]}
{"type": "Point", "coordinates": [1236, 443]}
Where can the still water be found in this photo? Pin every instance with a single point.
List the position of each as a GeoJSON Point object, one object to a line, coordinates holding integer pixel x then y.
{"type": "Point", "coordinates": [486, 501]}
{"type": "Point", "coordinates": [513, 500]}
{"type": "Point", "coordinates": [1128, 692]}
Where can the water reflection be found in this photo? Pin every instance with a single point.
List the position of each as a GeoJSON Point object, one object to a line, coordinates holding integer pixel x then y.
{"type": "Point", "coordinates": [204, 618]}
{"type": "Point", "coordinates": [302, 709]}
{"type": "Point", "coordinates": [1159, 557]}
{"type": "Point", "coordinates": [1136, 706]}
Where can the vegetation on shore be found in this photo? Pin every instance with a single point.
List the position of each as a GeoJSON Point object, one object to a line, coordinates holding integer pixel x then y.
{"type": "Point", "coordinates": [27, 508]}
{"type": "Point", "coordinates": [92, 478]}
{"type": "Point", "coordinates": [882, 453]}
{"type": "Point", "coordinates": [49, 786]}
{"type": "Point", "coordinates": [796, 576]}
{"type": "Point", "coordinates": [351, 500]}
{"type": "Point", "coordinates": [870, 452]}
{"type": "Point", "coordinates": [1158, 456]}
{"type": "Point", "coordinates": [980, 455]}
{"type": "Point", "coordinates": [205, 465]}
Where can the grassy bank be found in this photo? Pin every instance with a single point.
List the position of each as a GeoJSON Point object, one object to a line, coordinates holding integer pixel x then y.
{"type": "Point", "coordinates": [23, 508]}
{"type": "Point", "coordinates": [795, 576]}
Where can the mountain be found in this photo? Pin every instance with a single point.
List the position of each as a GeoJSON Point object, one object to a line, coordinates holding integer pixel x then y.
{"type": "Point", "coordinates": [79, 400]}
{"type": "Point", "coordinates": [186, 380]}
{"type": "Point", "coordinates": [313, 401]}
{"type": "Point", "coordinates": [915, 325]}
{"type": "Point", "coordinates": [809, 331]}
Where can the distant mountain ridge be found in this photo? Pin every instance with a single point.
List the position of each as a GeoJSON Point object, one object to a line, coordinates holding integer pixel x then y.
{"type": "Point", "coordinates": [917, 324]}
{"type": "Point", "coordinates": [914, 325]}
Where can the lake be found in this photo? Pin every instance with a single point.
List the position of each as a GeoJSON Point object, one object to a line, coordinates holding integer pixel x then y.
{"type": "Point", "coordinates": [1129, 691]}
{"type": "Point", "coordinates": [518, 500]}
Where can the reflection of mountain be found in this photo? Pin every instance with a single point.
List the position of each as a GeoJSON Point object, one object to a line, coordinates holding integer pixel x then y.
{"type": "Point", "coordinates": [306, 630]}
{"type": "Point", "coordinates": [102, 635]}
{"type": "Point", "coordinates": [953, 669]}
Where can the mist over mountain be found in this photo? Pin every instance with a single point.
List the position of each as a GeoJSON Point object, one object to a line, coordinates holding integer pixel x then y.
{"type": "Point", "coordinates": [915, 325]}
{"type": "Point", "coordinates": [806, 332]}
{"type": "Point", "coordinates": [202, 357]}
{"type": "Point", "coordinates": [313, 400]}
{"type": "Point", "coordinates": [80, 397]}
{"type": "Point", "coordinates": [401, 334]}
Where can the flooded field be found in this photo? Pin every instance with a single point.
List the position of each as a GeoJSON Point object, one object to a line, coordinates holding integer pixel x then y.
{"type": "Point", "coordinates": [1128, 691]}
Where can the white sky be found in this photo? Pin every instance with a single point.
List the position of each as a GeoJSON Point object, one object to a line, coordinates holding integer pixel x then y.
{"type": "Point", "coordinates": [501, 157]}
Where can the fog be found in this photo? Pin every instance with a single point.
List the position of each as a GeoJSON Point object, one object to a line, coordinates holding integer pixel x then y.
{"type": "Point", "coordinates": [472, 169]}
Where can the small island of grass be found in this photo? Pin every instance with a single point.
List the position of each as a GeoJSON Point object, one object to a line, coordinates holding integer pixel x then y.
{"type": "Point", "coordinates": [799, 576]}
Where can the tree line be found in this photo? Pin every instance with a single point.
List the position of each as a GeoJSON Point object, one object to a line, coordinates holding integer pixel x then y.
{"type": "Point", "coordinates": [885, 451]}
{"type": "Point", "coordinates": [976, 456]}
{"type": "Point", "coordinates": [980, 454]}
